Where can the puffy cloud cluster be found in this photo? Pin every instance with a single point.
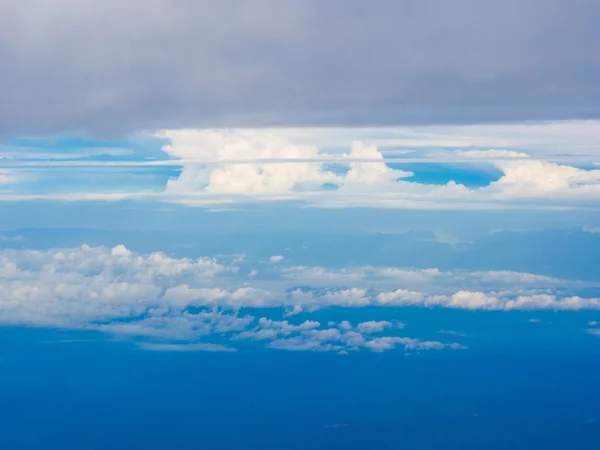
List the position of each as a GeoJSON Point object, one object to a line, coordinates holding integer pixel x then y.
{"type": "Point", "coordinates": [301, 301]}
{"type": "Point", "coordinates": [484, 301]}
{"type": "Point", "coordinates": [261, 163]}
{"type": "Point", "coordinates": [243, 165]}
{"type": "Point", "coordinates": [72, 286]}
{"type": "Point", "coordinates": [308, 337]}
{"type": "Point", "coordinates": [155, 296]}
{"type": "Point", "coordinates": [544, 179]}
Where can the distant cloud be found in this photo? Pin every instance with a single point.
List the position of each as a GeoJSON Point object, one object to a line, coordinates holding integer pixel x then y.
{"type": "Point", "coordinates": [6, 177]}
{"type": "Point", "coordinates": [276, 258]}
{"type": "Point", "coordinates": [266, 165]}
{"type": "Point", "coordinates": [491, 154]}
{"type": "Point", "coordinates": [354, 167]}
{"type": "Point", "coordinates": [373, 326]}
{"type": "Point", "coordinates": [197, 347]}
{"type": "Point", "coordinates": [155, 296]}
{"type": "Point", "coordinates": [592, 230]}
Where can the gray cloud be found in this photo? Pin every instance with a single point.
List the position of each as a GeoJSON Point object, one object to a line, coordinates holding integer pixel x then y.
{"type": "Point", "coordinates": [113, 67]}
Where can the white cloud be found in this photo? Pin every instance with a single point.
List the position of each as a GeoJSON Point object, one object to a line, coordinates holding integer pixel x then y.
{"type": "Point", "coordinates": [373, 326]}
{"type": "Point", "coordinates": [69, 287]}
{"type": "Point", "coordinates": [276, 258]}
{"type": "Point", "coordinates": [308, 336]}
{"type": "Point", "coordinates": [389, 343]}
{"type": "Point", "coordinates": [491, 154]}
{"type": "Point", "coordinates": [6, 177]}
{"type": "Point", "coordinates": [333, 341]}
{"type": "Point", "coordinates": [181, 326]}
{"type": "Point", "coordinates": [592, 230]}
{"type": "Point", "coordinates": [255, 162]}
{"type": "Point", "coordinates": [225, 166]}
{"type": "Point", "coordinates": [525, 179]}
{"type": "Point", "coordinates": [281, 164]}
{"type": "Point", "coordinates": [345, 325]}
{"type": "Point", "coordinates": [268, 329]}
{"type": "Point", "coordinates": [594, 331]}
{"type": "Point", "coordinates": [415, 277]}
{"type": "Point", "coordinates": [183, 295]}
{"type": "Point", "coordinates": [197, 347]}
{"type": "Point", "coordinates": [118, 291]}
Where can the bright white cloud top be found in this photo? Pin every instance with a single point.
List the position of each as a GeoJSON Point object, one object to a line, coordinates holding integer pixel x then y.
{"type": "Point", "coordinates": [544, 166]}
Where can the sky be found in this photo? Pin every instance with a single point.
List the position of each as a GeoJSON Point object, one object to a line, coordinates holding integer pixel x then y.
{"type": "Point", "coordinates": [299, 224]}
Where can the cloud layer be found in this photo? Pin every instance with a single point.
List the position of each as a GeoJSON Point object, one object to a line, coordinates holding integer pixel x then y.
{"type": "Point", "coordinates": [114, 67]}
{"type": "Point", "coordinates": [248, 168]}
{"type": "Point", "coordinates": [180, 301]}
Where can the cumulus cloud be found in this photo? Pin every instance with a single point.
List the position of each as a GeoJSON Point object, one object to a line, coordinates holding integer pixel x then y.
{"type": "Point", "coordinates": [542, 178]}
{"type": "Point", "coordinates": [341, 340]}
{"type": "Point", "coordinates": [373, 326]}
{"type": "Point", "coordinates": [154, 296]}
{"type": "Point", "coordinates": [276, 258]}
{"type": "Point", "coordinates": [338, 168]}
{"type": "Point", "coordinates": [119, 292]}
{"type": "Point", "coordinates": [75, 285]}
{"type": "Point", "coordinates": [252, 165]}
{"type": "Point", "coordinates": [268, 329]}
{"type": "Point", "coordinates": [388, 343]}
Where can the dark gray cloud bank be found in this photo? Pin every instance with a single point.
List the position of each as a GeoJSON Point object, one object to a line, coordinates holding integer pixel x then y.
{"type": "Point", "coordinates": [115, 66]}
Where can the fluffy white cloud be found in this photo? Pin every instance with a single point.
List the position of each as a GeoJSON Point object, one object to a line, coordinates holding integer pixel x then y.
{"type": "Point", "coordinates": [72, 286]}
{"type": "Point", "coordinates": [541, 178]}
{"type": "Point", "coordinates": [389, 343]}
{"type": "Point", "coordinates": [276, 258]}
{"type": "Point", "coordinates": [181, 326]}
{"type": "Point", "coordinates": [279, 164]}
{"type": "Point", "coordinates": [223, 166]}
{"type": "Point", "coordinates": [118, 291]}
{"type": "Point", "coordinates": [182, 296]}
{"type": "Point", "coordinates": [268, 329]}
{"type": "Point", "coordinates": [257, 163]}
{"type": "Point", "coordinates": [373, 326]}
{"type": "Point", "coordinates": [332, 340]}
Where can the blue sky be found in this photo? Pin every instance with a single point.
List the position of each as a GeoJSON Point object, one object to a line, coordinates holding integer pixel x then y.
{"type": "Point", "coordinates": [226, 233]}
